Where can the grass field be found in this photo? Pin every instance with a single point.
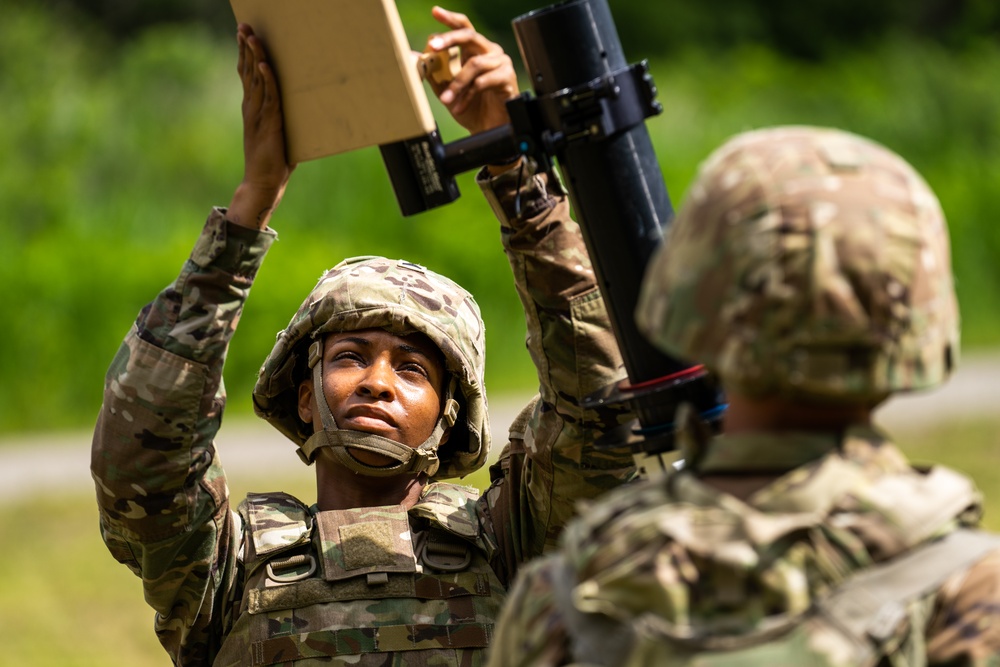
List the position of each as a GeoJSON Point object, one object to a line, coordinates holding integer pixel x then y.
{"type": "Point", "coordinates": [64, 601]}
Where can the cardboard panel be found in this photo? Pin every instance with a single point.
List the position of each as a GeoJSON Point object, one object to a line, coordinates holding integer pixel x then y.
{"type": "Point", "coordinates": [346, 73]}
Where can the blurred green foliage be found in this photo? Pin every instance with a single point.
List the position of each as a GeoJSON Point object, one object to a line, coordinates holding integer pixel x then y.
{"type": "Point", "coordinates": [116, 142]}
{"type": "Point", "coordinates": [815, 30]}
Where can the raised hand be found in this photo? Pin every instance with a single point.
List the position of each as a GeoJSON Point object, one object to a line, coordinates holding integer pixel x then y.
{"type": "Point", "coordinates": [265, 165]}
{"type": "Point", "coordinates": [477, 95]}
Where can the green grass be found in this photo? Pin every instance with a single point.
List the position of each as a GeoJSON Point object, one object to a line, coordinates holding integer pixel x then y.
{"type": "Point", "coordinates": [971, 447]}
{"type": "Point", "coordinates": [66, 603]}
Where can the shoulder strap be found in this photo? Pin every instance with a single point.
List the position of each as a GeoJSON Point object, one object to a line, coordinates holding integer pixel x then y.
{"type": "Point", "coordinates": [869, 606]}
{"type": "Point", "coordinates": [274, 522]}
{"type": "Point", "coordinates": [451, 526]}
{"type": "Point", "coordinates": [452, 507]}
{"type": "Point", "coordinates": [872, 603]}
{"type": "Point", "coordinates": [519, 427]}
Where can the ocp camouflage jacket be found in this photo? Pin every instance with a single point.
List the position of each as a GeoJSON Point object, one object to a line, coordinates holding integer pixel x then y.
{"type": "Point", "coordinates": [825, 566]}
{"type": "Point", "coordinates": [161, 489]}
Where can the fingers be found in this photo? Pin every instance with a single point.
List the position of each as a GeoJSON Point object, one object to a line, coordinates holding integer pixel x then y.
{"type": "Point", "coordinates": [259, 86]}
{"type": "Point", "coordinates": [241, 48]}
{"type": "Point", "coordinates": [468, 40]}
{"type": "Point", "coordinates": [264, 79]}
{"type": "Point", "coordinates": [484, 63]}
{"type": "Point", "coordinates": [268, 85]}
{"type": "Point", "coordinates": [245, 64]}
{"type": "Point", "coordinates": [462, 33]}
{"type": "Point", "coordinates": [261, 101]}
{"type": "Point", "coordinates": [488, 73]}
{"type": "Point", "coordinates": [266, 169]}
{"type": "Point", "coordinates": [453, 20]}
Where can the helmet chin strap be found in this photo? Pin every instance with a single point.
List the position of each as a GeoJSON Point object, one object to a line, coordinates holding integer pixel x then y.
{"type": "Point", "coordinates": [409, 460]}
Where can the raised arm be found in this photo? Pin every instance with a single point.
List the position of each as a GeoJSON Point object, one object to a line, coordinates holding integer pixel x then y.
{"type": "Point", "coordinates": [574, 350]}
{"type": "Point", "coordinates": [161, 491]}
{"type": "Point", "coordinates": [569, 332]}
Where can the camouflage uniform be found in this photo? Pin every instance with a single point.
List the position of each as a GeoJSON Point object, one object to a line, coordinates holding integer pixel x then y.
{"type": "Point", "coordinates": [165, 511]}
{"type": "Point", "coordinates": [810, 265]}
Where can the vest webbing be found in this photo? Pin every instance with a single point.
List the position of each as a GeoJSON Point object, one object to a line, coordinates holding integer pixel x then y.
{"type": "Point", "coordinates": [867, 608]}
{"type": "Point", "coordinates": [299, 606]}
{"type": "Point", "coordinates": [382, 639]}
{"type": "Point", "coordinates": [873, 602]}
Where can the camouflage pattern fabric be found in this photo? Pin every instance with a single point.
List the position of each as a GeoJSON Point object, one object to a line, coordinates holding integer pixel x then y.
{"type": "Point", "coordinates": [809, 266]}
{"type": "Point", "coordinates": [684, 574]}
{"type": "Point", "coordinates": [161, 489]}
{"type": "Point", "coordinates": [549, 462]}
{"type": "Point", "coordinates": [830, 256]}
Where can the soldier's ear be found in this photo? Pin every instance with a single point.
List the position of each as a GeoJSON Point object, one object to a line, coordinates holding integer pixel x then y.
{"type": "Point", "coordinates": [307, 404]}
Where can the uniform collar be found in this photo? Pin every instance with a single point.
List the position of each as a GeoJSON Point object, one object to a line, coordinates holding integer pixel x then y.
{"type": "Point", "coordinates": [778, 452]}
{"type": "Point", "coordinates": [809, 469]}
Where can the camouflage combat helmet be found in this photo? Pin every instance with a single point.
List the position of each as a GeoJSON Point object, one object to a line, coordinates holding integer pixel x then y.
{"type": "Point", "coordinates": [809, 263]}
{"type": "Point", "coordinates": [402, 298]}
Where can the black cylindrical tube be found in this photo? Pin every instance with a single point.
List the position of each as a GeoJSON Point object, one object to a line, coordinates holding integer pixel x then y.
{"type": "Point", "coordinates": [489, 147]}
{"type": "Point", "coordinates": [614, 184]}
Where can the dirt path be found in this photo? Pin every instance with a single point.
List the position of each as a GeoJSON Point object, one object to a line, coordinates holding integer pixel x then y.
{"type": "Point", "coordinates": [54, 463]}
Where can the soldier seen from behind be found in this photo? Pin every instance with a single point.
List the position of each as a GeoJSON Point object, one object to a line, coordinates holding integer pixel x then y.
{"type": "Point", "coordinates": [378, 380]}
{"type": "Point", "coordinates": [809, 269]}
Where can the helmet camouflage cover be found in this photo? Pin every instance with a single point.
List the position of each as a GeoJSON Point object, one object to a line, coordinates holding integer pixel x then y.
{"type": "Point", "coordinates": [402, 298]}
{"type": "Point", "coordinates": [810, 263]}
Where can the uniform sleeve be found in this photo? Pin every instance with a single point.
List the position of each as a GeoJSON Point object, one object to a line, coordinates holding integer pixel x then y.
{"type": "Point", "coordinates": [161, 492]}
{"type": "Point", "coordinates": [964, 631]}
{"type": "Point", "coordinates": [553, 463]}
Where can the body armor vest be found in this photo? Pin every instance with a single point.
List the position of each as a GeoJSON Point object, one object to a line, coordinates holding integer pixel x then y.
{"type": "Point", "coordinates": [365, 586]}
{"type": "Point", "coordinates": [748, 588]}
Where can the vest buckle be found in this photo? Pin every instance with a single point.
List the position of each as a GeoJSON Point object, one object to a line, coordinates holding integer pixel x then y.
{"type": "Point", "coordinates": [291, 569]}
{"type": "Point", "coordinates": [439, 551]}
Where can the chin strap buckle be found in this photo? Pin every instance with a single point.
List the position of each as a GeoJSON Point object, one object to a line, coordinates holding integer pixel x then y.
{"type": "Point", "coordinates": [424, 460]}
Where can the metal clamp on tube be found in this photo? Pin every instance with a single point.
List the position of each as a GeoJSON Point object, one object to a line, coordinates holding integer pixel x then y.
{"type": "Point", "coordinates": [587, 114]}
{"type": "Point", "coordinates": [590, 119]}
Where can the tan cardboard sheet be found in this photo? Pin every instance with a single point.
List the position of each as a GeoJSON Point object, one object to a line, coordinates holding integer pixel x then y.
{"type": "Point", "coordinates": [345, 70]}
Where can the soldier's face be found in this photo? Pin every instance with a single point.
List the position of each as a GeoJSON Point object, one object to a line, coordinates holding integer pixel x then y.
{"type": "Point", "coordinates": [380, 383]}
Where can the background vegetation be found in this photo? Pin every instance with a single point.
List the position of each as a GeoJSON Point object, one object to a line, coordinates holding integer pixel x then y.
{"type": "Point", "coordinates": [120, 127]}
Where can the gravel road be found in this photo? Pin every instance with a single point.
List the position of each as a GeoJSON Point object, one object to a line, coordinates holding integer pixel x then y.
{"type": "Point", "coordinates": [59, 462]}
